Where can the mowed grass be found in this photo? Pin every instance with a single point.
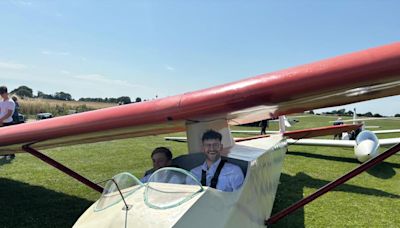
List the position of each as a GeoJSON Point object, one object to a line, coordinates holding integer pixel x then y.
{"type": "Point", "coordinates": [34, 194]}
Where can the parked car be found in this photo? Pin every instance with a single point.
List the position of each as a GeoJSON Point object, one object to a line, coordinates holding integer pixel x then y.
{"type": "Point", "coordinates": [21, 118]}
{"type": "Point", "coordinates": [42, 116]}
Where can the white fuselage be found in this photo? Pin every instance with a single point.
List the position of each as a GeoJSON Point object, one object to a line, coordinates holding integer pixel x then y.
{"type": "Point", "coordinates": [366, 147]}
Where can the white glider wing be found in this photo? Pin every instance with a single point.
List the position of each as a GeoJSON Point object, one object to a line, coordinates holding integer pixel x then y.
{"type": "Point", "coordinates": [387, 131]}
{"type": "Point", "coordinates": [389, 142]}
{"type": "Point", "coordinates": [338, 143]}
{"type": "Point", "coordinates": [322, 142]}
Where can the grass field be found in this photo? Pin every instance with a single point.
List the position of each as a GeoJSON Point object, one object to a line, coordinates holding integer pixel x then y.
{"type": "Point", "coordinates": [33, 194]}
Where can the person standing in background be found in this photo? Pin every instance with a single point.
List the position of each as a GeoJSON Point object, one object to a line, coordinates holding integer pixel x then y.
{"type": "Point", "coordinates": [15, 115]}
{"type": "Point", "coordinates": [264, 125]}
{"type": "Point", "coordinates": [7, 107]}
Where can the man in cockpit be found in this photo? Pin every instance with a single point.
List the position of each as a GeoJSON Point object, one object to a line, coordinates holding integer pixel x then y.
{"type": "Point", "coordinates": [216, 172]}
{"type": "Point", "coordinates": [161, 157]}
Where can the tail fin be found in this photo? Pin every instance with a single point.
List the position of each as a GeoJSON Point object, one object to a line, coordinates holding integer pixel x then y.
{"type": "Point", "coordinates": [282, 124]}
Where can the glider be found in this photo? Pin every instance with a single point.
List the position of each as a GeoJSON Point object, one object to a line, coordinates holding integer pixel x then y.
{"type": "Point", "coordinates": [359, 76]}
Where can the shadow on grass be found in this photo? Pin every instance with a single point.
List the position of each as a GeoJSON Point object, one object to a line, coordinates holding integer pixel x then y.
{"type": "Point", "coordinates": [24, 205]}
{"type": "Point", "coordinates": [291, 190]}
{"type": "Point", "coordinates": [384, 170]}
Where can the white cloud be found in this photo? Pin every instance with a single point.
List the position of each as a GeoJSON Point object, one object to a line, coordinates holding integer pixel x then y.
{"type": "Point", "coordinates": [21, 3]}
{"type": "Point", "coordinates": [168, 67]}
{"type": "Point", "coordinates": [62, 53]}
{"type": "Point", "coordinates": [98, 78]}
{"type": "Point", "coordinates": [12, 66]}
{"type": "Point", "coordinates": [65, 72]}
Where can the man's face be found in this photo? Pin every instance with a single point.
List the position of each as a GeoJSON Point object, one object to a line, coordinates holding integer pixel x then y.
{"type": "Point", "coordinates": [212, 149]}
{"type": "Point", "coordinates": [3, 95]}
{"type": "Point", "coordinates": [160, 161]}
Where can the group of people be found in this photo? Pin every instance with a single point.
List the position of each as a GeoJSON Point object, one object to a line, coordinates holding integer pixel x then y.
{"type": "Point", "coordinates": [352, 135]}
{"type": "Point", "coordinates": [215, 172]}
{"type": "Point", "coordinates": [8, 111]}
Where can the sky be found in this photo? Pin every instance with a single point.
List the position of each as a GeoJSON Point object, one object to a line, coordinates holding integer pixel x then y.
{"type": "Point", "coordinates": [154, 49]}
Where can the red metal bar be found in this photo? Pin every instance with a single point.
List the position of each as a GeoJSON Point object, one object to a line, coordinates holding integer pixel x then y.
{"type": "Point", "coordinates": [251, 138]}
{"type": "Point", "coordinates": [62, 168]}
{"type": "Point", "coordinates": [309, 133]}
{"type": "Point", "coordinates": [363, 167]}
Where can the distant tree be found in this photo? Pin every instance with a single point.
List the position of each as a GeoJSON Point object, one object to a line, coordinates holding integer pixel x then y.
{"type": "Point", "coordinates": [62, 96]}
{"type": "Point", "coordinates": [350, 113]}
{"type": "Point", "coordinates": [23, 91]}
{"type": "Point", "coordinates": [88, 99]}
{"type": "Point", "coordinates": [341, 112]}
{"type": "Point", "coordinates": [138, 99]}
{"type": "Point", "coordinates": [40, 94]}
{"type": "Point", "coordinates": [112, 100]}
{"type": "Point", "coordinates": [368, 114]}
{"type": "Point", "coordinates": [377, 115]}
{"type": "Point", "coordinates": [124, 100]}
{"type": "Point", "coordinates": [397, 115]}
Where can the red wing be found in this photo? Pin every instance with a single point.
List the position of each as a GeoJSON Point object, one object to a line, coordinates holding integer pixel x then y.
{"type": "Point", "coordinates": [364, 75]}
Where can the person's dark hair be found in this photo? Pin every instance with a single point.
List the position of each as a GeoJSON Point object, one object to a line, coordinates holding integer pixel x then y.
{"type": "Point", "coordinates": [3, 89]}
{"type": "Point", "coordinates": [163, 150]}
{"type": "Point", "coordinates": [211, 134]}
{"type": "Point", "coordinates": [14, 98]}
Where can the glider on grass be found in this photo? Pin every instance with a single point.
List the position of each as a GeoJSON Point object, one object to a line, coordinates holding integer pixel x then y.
{"type": "Point", "coordinates": [125, 201]}
{"type": "Point", "coordinates": [366, 144]}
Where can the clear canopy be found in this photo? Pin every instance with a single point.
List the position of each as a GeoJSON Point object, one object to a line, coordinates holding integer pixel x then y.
{"type": "Point", "coordinates": [166, 188]}
{"type": "Point", "coordinates": [123, 183]}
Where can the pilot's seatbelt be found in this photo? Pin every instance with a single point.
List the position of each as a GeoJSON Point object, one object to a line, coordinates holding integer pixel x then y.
{"type": "Point", "coordinates": [214, 180]}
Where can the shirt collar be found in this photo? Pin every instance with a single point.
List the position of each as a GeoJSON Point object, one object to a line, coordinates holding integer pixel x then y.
{"type": "Point", "coordinates": [213, 166]}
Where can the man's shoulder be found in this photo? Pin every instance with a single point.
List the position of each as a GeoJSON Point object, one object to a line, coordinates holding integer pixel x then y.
{"type": "Point", "coordinates": [149, 172]}
{"type": "Point", "coordinates": [196, 169]}
{"type": "Point", "coordinates": [232, 167]}
{"type": "Point", "coordinates": [9, 103]}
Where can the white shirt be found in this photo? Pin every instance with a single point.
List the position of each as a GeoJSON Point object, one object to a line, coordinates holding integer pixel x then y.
{"type": "Point", "coordinates": [230, 179]}
{"type": "Point", "coordinates": [5, 106]}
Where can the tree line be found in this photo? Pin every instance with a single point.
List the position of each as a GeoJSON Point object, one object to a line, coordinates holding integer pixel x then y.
{"type": "Point", "coordinates": [343, 112]}
{"type": "Point", "coordinates": [25, 91]}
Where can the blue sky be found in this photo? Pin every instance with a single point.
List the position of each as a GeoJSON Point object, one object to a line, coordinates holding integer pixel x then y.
{"type": "Point", "coordinates": [147, 48]}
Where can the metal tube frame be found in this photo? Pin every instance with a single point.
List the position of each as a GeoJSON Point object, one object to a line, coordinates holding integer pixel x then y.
{"type": "Point", "coordinates": [363, 167]}
{"type": "Point", "coordinates": [63, 168]}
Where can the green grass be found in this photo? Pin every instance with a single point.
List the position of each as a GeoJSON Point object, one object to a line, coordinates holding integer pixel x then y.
{"type": "Point", "coordinates": [33, 194]}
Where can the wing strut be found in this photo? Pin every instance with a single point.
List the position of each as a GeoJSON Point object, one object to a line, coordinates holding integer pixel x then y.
{"type": "Point", "coordinates": [363, 167]}
{"type": "Point", "coordinates": [62, 168]}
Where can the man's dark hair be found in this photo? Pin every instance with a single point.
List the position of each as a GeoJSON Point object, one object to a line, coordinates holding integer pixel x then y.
{"type": "Point", "coordinates": [3, 89]}
{"type": "Point", "coordinates": [211, 134]}
{"type": "Point", "coordinates": [162, 150]}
